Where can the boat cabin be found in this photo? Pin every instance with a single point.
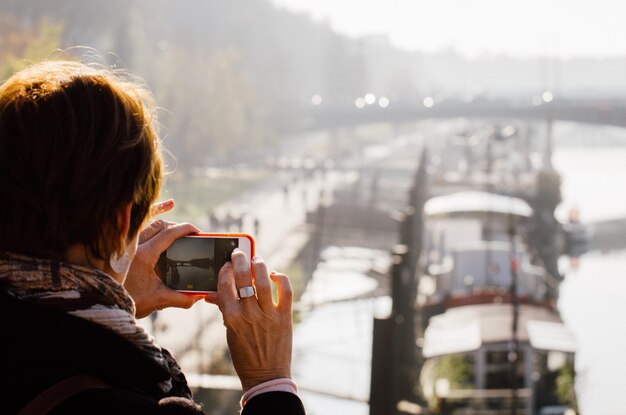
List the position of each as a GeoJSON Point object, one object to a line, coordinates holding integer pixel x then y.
{"type": "Point", "coordinates": [472, 353]}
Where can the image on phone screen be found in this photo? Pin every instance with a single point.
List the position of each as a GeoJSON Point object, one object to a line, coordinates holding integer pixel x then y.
{"type": "Point", "coordinates": [192, 263]}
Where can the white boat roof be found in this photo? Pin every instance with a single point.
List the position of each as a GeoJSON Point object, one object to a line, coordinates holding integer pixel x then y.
{"type": "Point", "coordinates": [477, 202]}
{"type": "Point", "coordinates": [467, 328]}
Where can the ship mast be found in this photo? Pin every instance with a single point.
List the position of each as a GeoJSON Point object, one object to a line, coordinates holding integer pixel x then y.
{"type": "Point", "coordinates": [514, 345]}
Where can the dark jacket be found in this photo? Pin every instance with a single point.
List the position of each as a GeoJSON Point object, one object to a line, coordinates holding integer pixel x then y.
{"type": "Point", "coordinates": [39, 348]}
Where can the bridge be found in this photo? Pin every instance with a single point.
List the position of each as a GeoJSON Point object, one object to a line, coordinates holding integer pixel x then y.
{"type": "Point", "coordinates": [333, 115]}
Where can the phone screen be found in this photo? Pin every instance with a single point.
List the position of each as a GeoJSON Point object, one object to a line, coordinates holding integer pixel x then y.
{"type": "Point", "coordinates": [192, 263]}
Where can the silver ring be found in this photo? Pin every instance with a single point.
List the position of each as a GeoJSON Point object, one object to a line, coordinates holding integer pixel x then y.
{"type": "Point", "coordinates": [247, 291]}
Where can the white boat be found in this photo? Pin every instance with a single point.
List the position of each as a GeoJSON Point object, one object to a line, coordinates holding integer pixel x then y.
{"type": "Point", "coordinates": [493, 337]}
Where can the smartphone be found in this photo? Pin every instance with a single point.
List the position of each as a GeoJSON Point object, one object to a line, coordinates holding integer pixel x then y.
{"type": "Point", "coordinates": [191, 264]}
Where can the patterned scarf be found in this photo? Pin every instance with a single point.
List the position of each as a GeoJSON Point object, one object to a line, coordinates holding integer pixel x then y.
{"type": "Point", "coordinates": [91, 295]}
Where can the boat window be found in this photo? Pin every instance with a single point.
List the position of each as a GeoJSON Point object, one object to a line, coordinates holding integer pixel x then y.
{"type": "Point", "coordinates": [498, 370]}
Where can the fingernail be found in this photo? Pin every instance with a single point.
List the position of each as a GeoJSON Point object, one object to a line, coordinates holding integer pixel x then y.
{"type": "Point", "coordinates": [237, 250]}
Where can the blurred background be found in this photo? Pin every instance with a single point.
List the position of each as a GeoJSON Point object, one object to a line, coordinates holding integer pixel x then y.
{"type": "Point", "coordinates": [323, 127]}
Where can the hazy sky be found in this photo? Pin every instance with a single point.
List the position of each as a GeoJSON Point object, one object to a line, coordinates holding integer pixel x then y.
{"type": "Point", "coordinates": [565, 28]}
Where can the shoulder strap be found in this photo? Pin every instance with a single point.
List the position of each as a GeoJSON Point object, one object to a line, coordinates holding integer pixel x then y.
{"type": "Point", "coordinates": [61, 391]}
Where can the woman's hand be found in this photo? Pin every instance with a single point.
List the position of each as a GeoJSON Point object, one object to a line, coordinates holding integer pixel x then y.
{"type": "Point", "coordinates": [142, 282]}
{"type": "Point", "coordinates": [259, 332]}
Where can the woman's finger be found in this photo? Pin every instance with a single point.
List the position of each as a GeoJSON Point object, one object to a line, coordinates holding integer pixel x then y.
{"type": "Point", "coordinates": [161, 207]}
{"type": "Point", "coordinates": [212, 297]}
{"type": "Point", "coordinates": [262, 283]}
{"type": "Point", "coordinates": [285, 292]}
{"type": "Point", "coordinates": [226, 292]}
{"type": "Point", "coordinates": [152, 229]}
{"type": "Point", "coordinates": [156, 226]}
{"type": "Point", "coordinates": [173, 298]}
{"type": "Point", "coordinates": [241, 269]}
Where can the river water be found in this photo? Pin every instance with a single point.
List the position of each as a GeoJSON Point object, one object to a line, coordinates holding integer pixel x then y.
{"type": "Point", "coordinates": [332, 345]}
{"type": "Point", "coordinates": [592, 296]}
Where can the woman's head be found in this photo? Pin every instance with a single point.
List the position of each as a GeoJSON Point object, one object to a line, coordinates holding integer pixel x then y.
{"type": "Point", "coordinates": [77, 145]}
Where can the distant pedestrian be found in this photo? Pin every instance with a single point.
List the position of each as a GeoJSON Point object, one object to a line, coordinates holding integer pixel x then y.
{"type": "Point", "coordinates": [286, 193]}
{"type": "Point", "coordinates": [257, 227]}
{"type": "Point", "coordinates": [213, 221]}
{"type": "Point", "coordinates": [227, 221]}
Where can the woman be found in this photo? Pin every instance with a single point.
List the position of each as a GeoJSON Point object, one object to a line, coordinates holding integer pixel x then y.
{"type": "Point", "coordinates": [80, 170]}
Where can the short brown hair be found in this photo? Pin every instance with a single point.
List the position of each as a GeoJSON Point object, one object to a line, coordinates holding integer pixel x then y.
{"type": "Point", "coordinates": [77, 144]}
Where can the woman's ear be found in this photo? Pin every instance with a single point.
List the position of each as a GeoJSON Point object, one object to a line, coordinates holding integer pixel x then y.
{"type": "Point", "coordinates": [123, 220]}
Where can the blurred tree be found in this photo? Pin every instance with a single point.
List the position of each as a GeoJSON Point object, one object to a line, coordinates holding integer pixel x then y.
{"type": "Point", "coordinates": [212, 106]}
{"type": "Point", "coordinates": [457, 369]}
{"type": "Point", "coordinates": [90, 23]}
{"type": "Point", "coordinates": [565, 386]}
{"type": "Point", "coordinates": [232, 74]}
{"type": "Point", "coordinates": [234, 117]}
{"type": "Point", "coordinates": [21, 45]}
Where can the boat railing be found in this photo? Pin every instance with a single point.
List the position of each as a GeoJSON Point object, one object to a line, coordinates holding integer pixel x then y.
{"type": "Point", "coordinates": [489, 401]}
{"type": "Point", "coordinates": [485, 268]}
{"type": "Point", "coordinates": [524, 393]}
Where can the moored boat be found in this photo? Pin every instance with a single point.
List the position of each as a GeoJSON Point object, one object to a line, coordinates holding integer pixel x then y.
{"type": "Point", "coordinates": [493, 338]}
